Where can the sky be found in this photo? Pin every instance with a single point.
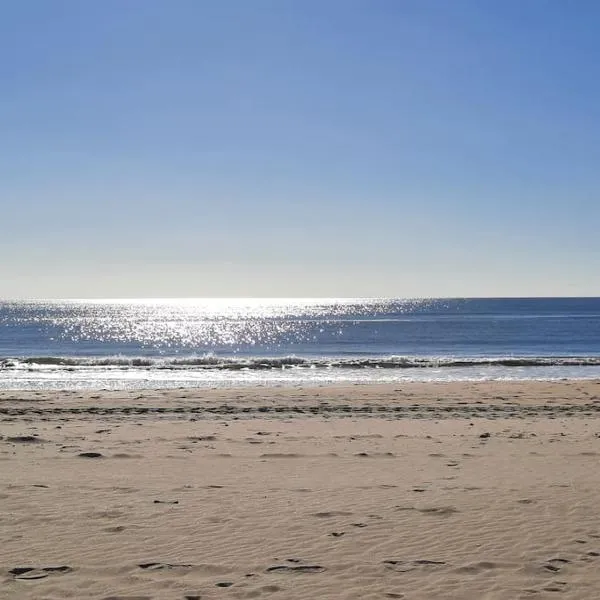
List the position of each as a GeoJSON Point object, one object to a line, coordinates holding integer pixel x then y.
{"type": "Point", "coordinates": [336, 148]}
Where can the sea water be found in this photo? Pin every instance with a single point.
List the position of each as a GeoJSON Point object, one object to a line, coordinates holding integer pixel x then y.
{"type": "Point", "coordinates": [151, 343]}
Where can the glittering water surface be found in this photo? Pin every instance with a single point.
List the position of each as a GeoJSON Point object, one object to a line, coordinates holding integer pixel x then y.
{"type": "Point", "coordinates": [211, 325]}
{"type": "Point", "coordinates": [157, 343]}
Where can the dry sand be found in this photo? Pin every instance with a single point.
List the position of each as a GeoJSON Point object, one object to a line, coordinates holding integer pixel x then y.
{"type": "Point", "coordinates": [416, 491]}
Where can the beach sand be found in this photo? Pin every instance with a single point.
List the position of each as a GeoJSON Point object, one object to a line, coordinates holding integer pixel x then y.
{"type": "Point", "coordinates": [416, 491]}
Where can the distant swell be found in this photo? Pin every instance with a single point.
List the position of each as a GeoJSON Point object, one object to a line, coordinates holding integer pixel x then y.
{"type": "Point", "coordinates": [211, 362]}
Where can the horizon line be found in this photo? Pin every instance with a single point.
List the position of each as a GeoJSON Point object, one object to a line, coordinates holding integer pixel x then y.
{"type": "Point", "coordinates": [287, 298]}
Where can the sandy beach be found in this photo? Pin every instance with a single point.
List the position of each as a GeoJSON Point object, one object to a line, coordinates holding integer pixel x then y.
{"type": "Point", "coordinates": [417, 491]}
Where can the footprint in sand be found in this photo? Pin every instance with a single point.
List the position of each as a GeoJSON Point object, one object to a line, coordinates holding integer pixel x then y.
{"type": "Point", "coordinates": [551, 568]}
{"type": "Point", "coordinates": [554, 588]}
{"type": "Point", "coordinates": [280, 455]}
{"type": "Point", "coordinates": [24, 439]}
{"type": "Point", "coordinates": [156, 566]}
{"type": "Point", "coordinates": [402, 566]}
{"type": "Point", "coordinates": [29, 573]}
{"type": "Point", "coordinates": [477, 567]}
{"type": "Point", "coordinates": [441, 511]}
{"type": "Point", "coordinates": [117, 529]}
{"type": "Point", "coordinates": [296, 569]}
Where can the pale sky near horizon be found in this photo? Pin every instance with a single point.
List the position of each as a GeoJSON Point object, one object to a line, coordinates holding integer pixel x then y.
{"type": "Point", "coordinates": [299, 148]}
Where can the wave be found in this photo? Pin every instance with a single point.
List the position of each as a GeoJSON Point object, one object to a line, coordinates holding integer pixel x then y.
{"type": "Point", "coordinates": [208, 362]}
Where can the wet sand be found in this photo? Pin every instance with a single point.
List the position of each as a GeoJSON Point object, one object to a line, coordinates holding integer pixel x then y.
{"type": "Point", "coordinates": [462, 491]}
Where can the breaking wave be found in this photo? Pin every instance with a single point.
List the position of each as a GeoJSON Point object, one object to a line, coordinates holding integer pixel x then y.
{"type": "Point", "coordinates": [212, 362]}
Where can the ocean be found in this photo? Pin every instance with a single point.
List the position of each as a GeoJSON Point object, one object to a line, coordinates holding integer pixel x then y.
{"type": "Point", "coordinates": [151, 343]}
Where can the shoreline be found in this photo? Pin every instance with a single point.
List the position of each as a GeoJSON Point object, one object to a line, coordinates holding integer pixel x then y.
{"type": "Point", "coordinates": [522, 390]}
{"type": "Point", "coordinates": [156, 380]}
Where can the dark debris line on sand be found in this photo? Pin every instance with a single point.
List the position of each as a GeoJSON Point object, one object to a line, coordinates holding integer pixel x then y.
{"type": "Point", "coordinates": [451, 411]}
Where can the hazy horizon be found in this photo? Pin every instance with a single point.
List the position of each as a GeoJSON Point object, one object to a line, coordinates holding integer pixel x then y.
{"type": "Point", "coordinates": [278, 299]}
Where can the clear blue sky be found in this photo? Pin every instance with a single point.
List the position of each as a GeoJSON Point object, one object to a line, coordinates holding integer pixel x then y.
{"type": "Point", "coordinates": [299, 148]}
